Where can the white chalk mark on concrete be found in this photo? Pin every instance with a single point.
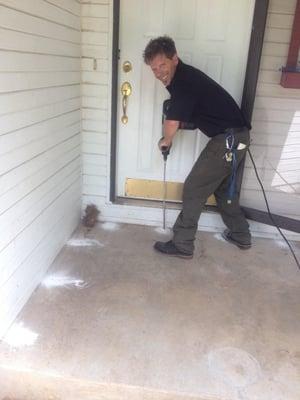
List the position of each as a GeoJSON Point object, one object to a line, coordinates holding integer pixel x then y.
{"type": "Point", "coordinates": [234, 366]}
{"type": "Point", "coordinates": [110, 226]}
{"type": "Point", "coordinates": [281, 244]}
{"type": "Point", "coordinates": [18, 336]}
{"type": "Point", "coordinates": [84, 242]}
{"type": "Point", "coordinates": [62, 280]}
{"type": "Point", "coordinates": [163, 231]}
{"type": "Point", "coordinates": [218, 236]}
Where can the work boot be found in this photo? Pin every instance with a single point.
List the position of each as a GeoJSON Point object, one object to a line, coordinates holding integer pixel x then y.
{"type": "Point", "coordinates": [170, 249]}
{"type": "Point", "coordinates": [227, 235]}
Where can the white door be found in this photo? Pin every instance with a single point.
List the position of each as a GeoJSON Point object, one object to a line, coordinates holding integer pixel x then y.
{"type": "Point", "coordinates": [212, 35]}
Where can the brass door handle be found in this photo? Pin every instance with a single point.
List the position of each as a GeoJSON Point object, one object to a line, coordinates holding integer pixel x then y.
{"type": "Point", "coordinates": [126, 91]}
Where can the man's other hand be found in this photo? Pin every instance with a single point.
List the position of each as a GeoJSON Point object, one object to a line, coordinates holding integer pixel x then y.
{"type": "Point", "coordinates": [164, 143]}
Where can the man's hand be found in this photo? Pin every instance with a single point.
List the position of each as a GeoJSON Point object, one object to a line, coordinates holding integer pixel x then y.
{"type": "Point", "coordinates": [164, 143]}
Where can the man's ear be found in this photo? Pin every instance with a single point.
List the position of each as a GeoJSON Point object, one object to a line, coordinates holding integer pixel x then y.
{"type": "Point", "coordinates": [175, 59]}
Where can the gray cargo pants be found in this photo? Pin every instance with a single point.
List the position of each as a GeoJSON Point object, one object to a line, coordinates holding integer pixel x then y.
{"type": "Point", "coordinates": [211, 174]}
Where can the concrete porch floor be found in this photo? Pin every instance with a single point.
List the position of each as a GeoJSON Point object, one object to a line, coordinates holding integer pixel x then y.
{"type": "Point", "coordinates": [115, 320]}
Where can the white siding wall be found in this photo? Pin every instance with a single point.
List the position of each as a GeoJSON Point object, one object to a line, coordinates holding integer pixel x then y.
{"type": "Point", "coordinates": [40, 177]}
{"type": "Point", "coordinates": [95, 64]}
{"type": "Point", "coordinates": [276, 122]}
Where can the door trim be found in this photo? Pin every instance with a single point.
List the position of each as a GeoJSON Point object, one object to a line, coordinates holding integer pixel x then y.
{"type": "Point", "coordinates": [114, 99]}
{"type": "Point", "coordinates": [248, 98]}
{"type": "Point", "coordinates": [254, 56]}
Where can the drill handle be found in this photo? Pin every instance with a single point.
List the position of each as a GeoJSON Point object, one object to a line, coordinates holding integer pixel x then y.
{"type": "Point", "coordinates": [165, 151]}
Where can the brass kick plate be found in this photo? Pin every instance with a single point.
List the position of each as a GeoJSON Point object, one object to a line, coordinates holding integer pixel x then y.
{"type": "Point", "coordinates": [153, 190]}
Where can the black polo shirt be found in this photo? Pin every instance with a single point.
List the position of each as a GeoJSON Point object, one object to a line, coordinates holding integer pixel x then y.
{"type": "Point", "coordinates": [198, 99]}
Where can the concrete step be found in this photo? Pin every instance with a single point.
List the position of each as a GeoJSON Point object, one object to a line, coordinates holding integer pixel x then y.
{"type": "Point", "coordinates": [34, 385]}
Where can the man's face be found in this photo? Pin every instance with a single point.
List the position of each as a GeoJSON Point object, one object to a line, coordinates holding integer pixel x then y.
{"type": "Point", "coordinates": [164, 68]}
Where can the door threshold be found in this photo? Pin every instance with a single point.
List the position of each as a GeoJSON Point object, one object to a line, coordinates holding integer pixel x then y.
{"type": "Point", "coordinates": [171, 205]}
{"type": "Point", "coordinates": [146, 203]}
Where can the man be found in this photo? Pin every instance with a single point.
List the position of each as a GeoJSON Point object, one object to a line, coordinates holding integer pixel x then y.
{"type": "Point", "coordinates": [197, 99]}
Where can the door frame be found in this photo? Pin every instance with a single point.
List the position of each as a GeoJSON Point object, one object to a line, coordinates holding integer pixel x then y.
{"type": "Point", "coordinates": [247, 105]}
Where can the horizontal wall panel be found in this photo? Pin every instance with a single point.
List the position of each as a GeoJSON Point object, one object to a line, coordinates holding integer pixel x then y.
{"type": "Point", "coordinates": [94, 90]}
{"type": "Point", "coordinates": [23, 154]}
{"type": "Point", "coordinates": [12, 19]}
{"type": "Point", "coordinates": [254, 199]}
{"type": "Point", "coordinates": [94, 77]}
{"type": "Point", "coordinates": [275, 128]}
{"type": "Point", "coordinates": [275, 49]}
{"type": "Point", "coordinates": [96, 115]}
{"type": "Point", "coordinates": [285, 116]}
{"type": "Point", "coordinates": [281, 140]}
{"type": "Point", "coordinates": [94, 137]}
{"type": "Point", "coordinates": [282, 7]}
{"type": "Point", "coordinates": [72, 6]}
{"type": "Point", "coordinates": [281, 21]}
{"type": "Point", "coordinates": [19, 41]}
{"type": "Point", "coordinates": [94, 102]}
{"type": "Point", "coordinates": [94, 189]}
{"type": "Point", "coordinates": [272, 180]}
{"type": "Point", "coordinates": [94, 10]}
{"type": "Point", "coordinates": [93, 24]}
{"type": "Point", "coordinates": [276, 103]}
{"type": "Point", "coordinates": [17, 81]}
{"type": "Point", "coordinates": [270, 77]}
{"type": "Point", "coordinates": [91, 180]}
{"type": "Point", "coordinates": [11, 122]}
{"type": "Point", "coordinates": [45, 11]}
{"type": "Point", "coordinates": [278, 35]}
{"type": "Point", "coordinates": [273, 63]}
{"type": "Point", "coordinates": [97, 126]}
{"type": "Point", "coordinates": [95, 170]}
{"type": "Point", "coordinates": [25, 136]}
{"type": "Point", "coordinates": [94, 38]}
{"type": "Point", "coordinates": [95, 159]}
{"type": "Point", "coordinates": [275, 90]}
{"type": "Point", "coordinates": [11, 61]}
{"type": "Point", "coordinates": [94, 51]}
{"type": "Point", "coordinates": [94, 148]}
{"type": "Point", "coordinates": [18, 182]}
{"type": "Point", "coordinates": [36, 98]}
{"type": "Point", "coordinates": [280, 157]}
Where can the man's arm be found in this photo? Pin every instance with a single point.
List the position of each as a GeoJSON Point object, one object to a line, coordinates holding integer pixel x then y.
{"type": "Point", "coordinates": [170, 128]}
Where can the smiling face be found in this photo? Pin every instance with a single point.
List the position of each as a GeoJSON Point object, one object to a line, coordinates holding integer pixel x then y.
{"type": "Point", "coordinates": [164, 68]}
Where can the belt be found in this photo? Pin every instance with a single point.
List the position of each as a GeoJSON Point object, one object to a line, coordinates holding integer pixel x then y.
{"type": "Point", "coordinates": [236, 129]}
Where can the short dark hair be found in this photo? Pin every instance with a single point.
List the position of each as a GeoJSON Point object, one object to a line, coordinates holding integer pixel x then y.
{"type": "Point", "coordinates": [161, 45]}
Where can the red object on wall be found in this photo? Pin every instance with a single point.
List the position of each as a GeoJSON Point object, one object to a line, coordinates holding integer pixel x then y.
{"type": "Point", "coordinates": [290, 77]}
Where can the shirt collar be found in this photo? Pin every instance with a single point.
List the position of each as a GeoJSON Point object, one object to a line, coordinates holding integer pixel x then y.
{"type": "Point", "coordinates": [176, 75]}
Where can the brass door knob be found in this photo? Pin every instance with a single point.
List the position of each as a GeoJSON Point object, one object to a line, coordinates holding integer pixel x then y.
{"type": "Point", "coordinates": [126, 91]}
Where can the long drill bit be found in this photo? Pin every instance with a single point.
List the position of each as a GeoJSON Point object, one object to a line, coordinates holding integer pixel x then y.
{"type": "Point", "coordinates": [165, 152]}
{"type": "Point", "coordinates": [164, 195]}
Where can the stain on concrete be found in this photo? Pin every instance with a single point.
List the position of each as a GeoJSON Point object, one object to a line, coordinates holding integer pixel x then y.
{"type": "Point", "coordinates": [234, 366]}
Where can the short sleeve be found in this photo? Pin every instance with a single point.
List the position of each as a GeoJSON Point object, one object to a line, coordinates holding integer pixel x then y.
{"type": "Point", "coordinates": [181, 107]}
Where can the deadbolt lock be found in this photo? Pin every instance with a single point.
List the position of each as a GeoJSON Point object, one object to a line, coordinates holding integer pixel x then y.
{"type": "Point", "coordinates": [127, 66]}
